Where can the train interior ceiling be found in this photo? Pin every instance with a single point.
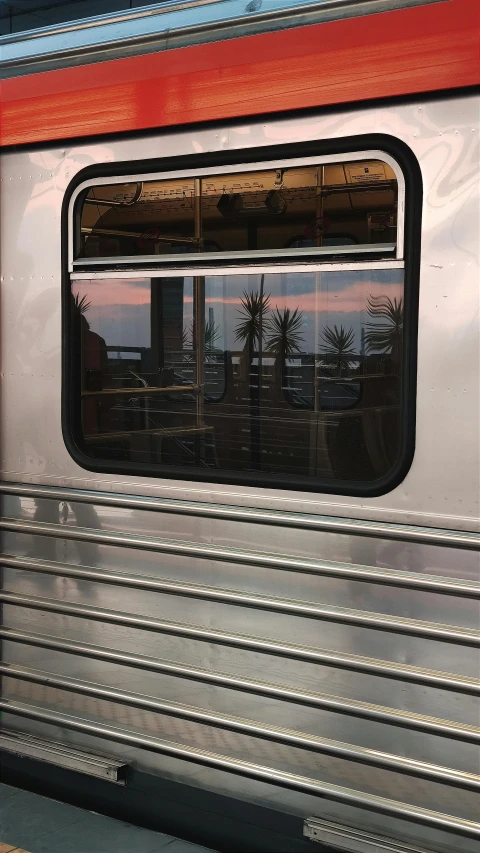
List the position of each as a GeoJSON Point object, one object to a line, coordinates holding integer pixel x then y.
{"type": "Point", "coordinates": [292, 369]}
{"type": "Point", "coordinates": [261, 210]}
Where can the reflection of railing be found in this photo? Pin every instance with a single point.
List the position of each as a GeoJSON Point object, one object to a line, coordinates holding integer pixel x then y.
{"type": "Point", "coordinates": [181, 362]}
{"type": "Point", "coordinates": [129, 368]}
{"type": "Point", "coordinates": [215, 371]}
{"type": "Point", "coordinates": [119, 349]}
{"type": "Point", "coordinates": [335, 391]}
{"type": "Point", "coordinates": [153, 433]}
{"type": "Point", "coordinates": [134, 392]}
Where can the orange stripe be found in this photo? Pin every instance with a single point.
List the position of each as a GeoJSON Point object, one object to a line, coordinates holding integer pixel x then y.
{"type": "Point", "coordinates": [409, 51]}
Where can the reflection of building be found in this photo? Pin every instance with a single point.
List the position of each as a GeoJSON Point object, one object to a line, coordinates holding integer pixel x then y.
{"type": "Point", "coordinates": [166, 320]}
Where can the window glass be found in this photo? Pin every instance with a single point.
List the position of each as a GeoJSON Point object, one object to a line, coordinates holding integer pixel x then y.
{"type": "Point", "coordinates": [23, 15]}
{"type": "Point", "coordinates": [348, 206]}
{"type": "Point", "coordinates": [296, 376]}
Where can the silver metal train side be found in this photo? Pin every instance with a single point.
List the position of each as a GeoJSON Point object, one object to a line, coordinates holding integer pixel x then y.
{"type": "Point", "coordinates": [312, 653]}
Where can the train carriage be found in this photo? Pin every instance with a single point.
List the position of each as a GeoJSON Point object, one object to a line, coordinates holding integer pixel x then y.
{"type": "Point", "coordinates": [239, 250]}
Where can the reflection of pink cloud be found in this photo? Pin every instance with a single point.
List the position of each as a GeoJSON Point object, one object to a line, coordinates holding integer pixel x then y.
{"type": "Point", "coordinates": [350, 299]}
{"type": "Point", "coordinates": [114, 292]}
{"type": "Point", "coordinates": [117, 292]}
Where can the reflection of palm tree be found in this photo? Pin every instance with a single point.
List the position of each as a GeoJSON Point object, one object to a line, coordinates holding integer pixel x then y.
{"type": "Point", "coordinates": [211, 336]}
{"type": "Point", "coordinates": [384, 337]}
{"type": "Point", "coordinates": [283, 333]}
{"type": "Point", "coordinates": [187, 336]}
{"type": "Point", "coordinates": [80, 304]}
{"type": "Point", "coordinates": [250, 330]}
{"type": "Point", "coordinates": [187, 343]}
{"type": "Point", "coordinates": [253, 311]}
{"type": "Point", "coordinates": [337, 346]}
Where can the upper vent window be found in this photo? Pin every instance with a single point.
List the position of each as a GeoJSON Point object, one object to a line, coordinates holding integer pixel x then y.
{"type": "Point", "coordinates": [347, 208]}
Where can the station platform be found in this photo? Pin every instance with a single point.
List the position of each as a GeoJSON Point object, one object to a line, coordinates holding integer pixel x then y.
{"type": "Point", "coordinates": [30, 823]}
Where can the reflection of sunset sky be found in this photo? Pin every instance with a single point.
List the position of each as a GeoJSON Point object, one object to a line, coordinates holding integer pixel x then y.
{"type": "Point", "coordinates": [120, 310]}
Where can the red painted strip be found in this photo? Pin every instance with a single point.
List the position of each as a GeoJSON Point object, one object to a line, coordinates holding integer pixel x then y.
{"type": "Point", "coordinates": [423, 49]}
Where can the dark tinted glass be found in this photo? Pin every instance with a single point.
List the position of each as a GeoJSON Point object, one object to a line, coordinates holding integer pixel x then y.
{"type": "Point", "coordinates": [23, 15]}
{"type": "Point", "coordinates": [297, 210]}
{"type": "Point", "coordinates": [294, 376]}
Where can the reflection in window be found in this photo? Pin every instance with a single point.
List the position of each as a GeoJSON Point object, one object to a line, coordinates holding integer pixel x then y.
{"type": "Point", "coordinates": [297, 210]}
{"type": "Point", "coordinates": [296, 375]}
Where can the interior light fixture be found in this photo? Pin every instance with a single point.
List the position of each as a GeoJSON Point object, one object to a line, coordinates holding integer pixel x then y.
{"type": "Point", "coordinates": [231, 205]}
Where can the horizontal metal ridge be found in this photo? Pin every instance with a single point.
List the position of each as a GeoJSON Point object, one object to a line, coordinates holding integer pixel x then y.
{"type": "Point", "coordinates": [269, 775]}
{"type": "Point", "coordinates": [288, 737]}
{"type": "Point", "coordinates": [325, 657]}
{"type": "Point", "coordinates": [62, 755]}
{"type": "Point", "coordinates": [275, 604]}
{"type": "Point", "coordinates": [411, 627]}
{"type": "Point", "coordinates": [364, 710]}
{"type": "Point", "coordinates": [239, 641]}
{"type": "Point", "coordinates": [343, 615]}
{"type": "Point", "coordinates": [331, 524]}
{"type": "Point", "coordinates": [410, 580]}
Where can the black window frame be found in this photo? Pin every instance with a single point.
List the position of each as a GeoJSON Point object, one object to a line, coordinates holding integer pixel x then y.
{"type": "Point", "coordinates": [71, 400]}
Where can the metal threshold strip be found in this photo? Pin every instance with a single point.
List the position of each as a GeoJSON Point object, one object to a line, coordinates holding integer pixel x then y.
{"type": "Point", "coordinates": [258, 772]}
{"type": "Point", "coordinates": [288, 737]}
{"type": "Point", "coordinates": [352, 840]}
{"type": "Point", "coordinates": [62, 755]}
{"type": "Point", "coordinates": [330, 524]}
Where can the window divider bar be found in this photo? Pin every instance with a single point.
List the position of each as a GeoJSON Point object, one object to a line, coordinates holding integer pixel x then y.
{"type": "Point", "coordinates": [169, 272]}
{"type": "Point", "coordinates": [241, 256]}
